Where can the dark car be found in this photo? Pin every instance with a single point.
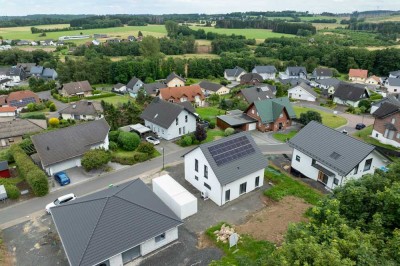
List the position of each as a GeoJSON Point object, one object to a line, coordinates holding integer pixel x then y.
{"type": "Point", "coordinates": [62, 178]}
{"type": "Point", "coordinates": [360, 126]}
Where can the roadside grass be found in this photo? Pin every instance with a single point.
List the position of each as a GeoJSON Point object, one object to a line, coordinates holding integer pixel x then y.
{"type": "Point", "coordinates": [283, 137]}
{"type": "Point", "coordinates": [248, 252]}
{"type": "Point", "coordinates": [209, 112]}
{"type": "Point", "coordinates": [117, 99]}
{"type": "Point", "coordinates": [365, 135]}
{"type": "Point", "coordinates": [330, 120]}
{"type": "Point", "coordinates": [128, 157]}
{"type": "Point", "coordinates": [284, 185]}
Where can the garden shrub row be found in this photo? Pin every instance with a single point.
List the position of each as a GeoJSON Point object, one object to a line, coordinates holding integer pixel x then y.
{"type": "Point", "coordinates": [11, 189]}
{"type": "Point", "coordinates": [103, 95]}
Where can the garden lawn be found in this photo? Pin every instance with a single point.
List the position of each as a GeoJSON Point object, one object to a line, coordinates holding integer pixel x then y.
{"type": "Point", "coordinates": [365, 135]}
{"type": "Point", "coordinates": [213, 134]}
{"type": "Point", "coordinates": [117, 99]}
{"type": "Point", "coordinates": [330, 120]}
{"type": "Point", "coordinates": [210, 112]}
{"type": "Point", "coordinates": [283, 137]}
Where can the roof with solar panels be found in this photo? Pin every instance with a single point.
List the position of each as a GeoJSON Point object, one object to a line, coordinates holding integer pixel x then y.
{"type": "Point", "coordinates": [233, 157]}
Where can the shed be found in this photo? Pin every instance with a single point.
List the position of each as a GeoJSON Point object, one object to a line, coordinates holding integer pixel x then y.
{"type": "Point", "coordinates": [139, 128]}
{"type": "Point", "coordinates": [181, 201]}
{"type": "Point", "coordinates": [4, 170]}
{"type": "Point", "coordinates": [3, 193]}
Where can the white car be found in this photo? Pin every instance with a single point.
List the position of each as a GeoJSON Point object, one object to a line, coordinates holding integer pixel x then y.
{"type": "Point", "coordinates": [153, 140]}
{"type": "Point", "coordinates": [59, 201]}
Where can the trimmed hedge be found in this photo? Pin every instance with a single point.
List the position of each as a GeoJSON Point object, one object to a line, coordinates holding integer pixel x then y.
{"type": "Point", "coordinates": [146, 147]}
{"type": "Point", "coordinates": [104, 95]}
{"type": "Point", "coordinates": [34, 116]}
{"type": "Point", "coordinates": [94, 159]}
{"type": "Point", "coordinates": [37, 180]}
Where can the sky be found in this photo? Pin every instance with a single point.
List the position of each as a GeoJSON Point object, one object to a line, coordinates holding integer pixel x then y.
{"type": "Point", "coordinates": [25, 7]}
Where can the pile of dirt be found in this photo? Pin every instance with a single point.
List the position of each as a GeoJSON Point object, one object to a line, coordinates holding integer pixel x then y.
{"type": "Point", "coordinates": [203, 241]}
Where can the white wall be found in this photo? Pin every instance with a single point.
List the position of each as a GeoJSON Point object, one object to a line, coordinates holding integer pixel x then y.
{"type": "Point", "coordinates": [340, 101]}
{"type": "Point", "coordinates": [7, 114]}
{"type": "Point", "coordinates": [392, 89]}
{"type": "Point", "coordinates": [88, 117]}
{"type": "Point", "coordinates": [116, 260]}
{"type": "Point", "coordinates": [265, 75]}
{"type": "Point", "coordinates": [151, 245]}
{"type": "Point", "coordinates": [379, 136]}
{"type": "Point", "coordinates": [175, 82]}
{"type": "Point", "coordinates": [300, 94]}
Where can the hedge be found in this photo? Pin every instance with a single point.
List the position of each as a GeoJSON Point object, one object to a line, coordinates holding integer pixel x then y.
{"type": "Point", "coordinates": [12, 191]}
{"type": "Point", "coordinates": [104, 95]}
{"type": "Point", "coordinates": [37, 180]}
{"type": "Point", "coordinates": [94, 159]}
{"type": "Point", "coordinates": [34, 116]}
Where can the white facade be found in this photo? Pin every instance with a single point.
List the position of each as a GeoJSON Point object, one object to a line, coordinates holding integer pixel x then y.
{"type": "Point", "coordinates": [176, 129]}
{"type": "Point", "coordinates": [300, 93]}
{"type": "Point", "coordinates": [233, 78]}
{"type": "Point", "coordinates": [265, 76]}
{"type": "Point", "coordinates": [303, 163]}
{"type": "Point", "coordinates": [217, 193]}
{"type": "Point", "coordinates": [346, 102]}
{"type": "Point", "coordinates": [392, 89]}
{"type": "Point", "coordinates": [81, 117]}
{"type": "Point", "coordinates": [287, 75]}
{"type": "Point", "coordinates": [381, 138]}
{"type": "Point", "coordinates": [7, 114]}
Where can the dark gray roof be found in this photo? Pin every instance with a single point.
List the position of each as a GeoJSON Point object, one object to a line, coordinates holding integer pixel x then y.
{"type": "Point", "coordinates": [350, 92]}
{"type": "Point", "coordinates": [132, 83]}
{"type": "Point", "coordinates": [4, 80]}
{"type": "Point", "coordinates": [230, 172]}
{"type": "Point", "coordinates": [265, 69]}
{"type": "Point", "coordinates": [162, 113]}
{"type": "Point", "coordinates": [393, 82]}
{"type": "Point", "coordinates": [210, 86]}
{"type": "Point", "coordinates": [237, 119]}
{"type": "Point", "coordinates": [153, 88]}
{"type": "Point", "coordinates": [296, 70]}
{"type": "Point", "coordinates": [235, 72]}
{"type": "Point", "coordinates": [49, 73]}
{"type": "Point", "coordinates": [386, 109]}
{"type": "Point", "coordinates": [258, 93]}
{"type": "Point", "coordinates": [395, 73]}
{"type": "Point", "coordinates": [393, 99]}
{"type": "Point", "coordinates": [188, 106]}
{"type": "Point", "coordinates": [3, 165]}
{"type": "Point", "coordinates": [66, 143]}
{"type": "Point", "coordinates": [330, 82]}
{"type": "Point", "coordinates": [294, 81]}
{"type": "Point", "coordinates": [36, 70]}
{"type": "Point", "coordinates": [83, 108]}
{"type": "Point", "coordinates": [307, 88]}
{"type": "Point", "coordinates": [119, 85]}
{"type": "Point", "coordinates": [20, 127]}
{"type": "Point", "coordinates": [320, 142]}
{"type": "Point", "coordinates": [249, 77]}
{"type": "Point", "coordinates": [323, 72]}
{"type": "Point", "coordinates": [96, 227]}
{"type": "Point", "coordinates": [172, 76]}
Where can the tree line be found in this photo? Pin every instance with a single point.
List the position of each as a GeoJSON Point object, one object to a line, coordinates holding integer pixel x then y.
{"type": "Point", "coordinates": [387, 27]}
{"type": "Point", "coordinates": [96, 22]}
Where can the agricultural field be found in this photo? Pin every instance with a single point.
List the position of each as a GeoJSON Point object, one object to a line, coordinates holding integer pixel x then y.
{"type": "Point", "coordinates": [249, 33]}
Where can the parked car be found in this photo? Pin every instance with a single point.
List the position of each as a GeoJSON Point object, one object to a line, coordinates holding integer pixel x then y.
{"type": "Point", "coordinates": [62, 178]}
{"type": "Point", "coordinates": [360, 126]}
{"type": "Point", "coordinates": [59, 201]}
{"type": "Point", "coordinates": [153, 140]}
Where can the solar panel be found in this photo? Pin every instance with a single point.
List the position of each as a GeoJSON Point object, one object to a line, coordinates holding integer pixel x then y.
{"type": "Point", "coordinates": [231, 150]}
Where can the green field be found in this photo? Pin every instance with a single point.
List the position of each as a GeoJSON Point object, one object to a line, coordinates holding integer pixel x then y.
{"type": "Point", "coordinates": [209, 112]}
{"type": "Point", "coordinates": [328, 119]}
{"type": "Point", "coordinates": [249, 33]}
{"type": "Point", "coordinates": [115, 100]}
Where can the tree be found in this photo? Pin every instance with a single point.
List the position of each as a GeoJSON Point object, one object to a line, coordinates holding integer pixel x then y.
{"type": "Point", "coordinates": [52, 107]}
{"type": "Point", "coordinates": [229, 131]}
{"type": "Point", "coordinates": [94, 159]}
{"type": "Point", "coordinates": [200, 133]}
{"type": "Point", "coordinates": [128, 141]}
{"type": "Point", "coordinates": [309, 116]}
{"type": "Point", "coordinates": [54, 122]}
{"type": "Point", "coordinates": [146, 147]}
{"type": "Point", "coordinates": [172, 28]}
{"type": "Point", "coordinates": [365, 103]}
{"type": "Point", "coordinates": [149, 47]}
{"type": "Point", "coordinates": [214, 98]}
{"type": "Point", "coordinates": [140, 34]}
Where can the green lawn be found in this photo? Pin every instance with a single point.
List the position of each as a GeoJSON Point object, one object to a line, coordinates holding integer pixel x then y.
{"type": "Point", "coordinates": [283, 137]}
{"type": "Point", "coordinates": [249, 33]}
{"type": "Point", "coordinates": [213, 134]}
{"type": "Point", "coordinates": [210, 112]}
{"type": "Point", "coordinates": [328, 119]}
{"type": "Point", "coordinates": [365, 134]}
{"type": "Point", "coordinates": [117, 99]}
{"type": "Point", "coordinates": [30, 114]}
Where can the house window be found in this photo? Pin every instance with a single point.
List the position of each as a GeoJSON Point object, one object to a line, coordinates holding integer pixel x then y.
{"type": "Point", "coordinates": [336, 181]}
{"type": "Point", "coordinates": [184, 130]}
{"type": "Point", "coordinates": [205, 171]}
{"type": "Point", "coordinates": [393, 120]}
{"type": "Point", "coordinates": [207, 185]}
{"type": "Point", "coordinates": [196, 177]}
{"type": "Point", "coordinates": [160, 238]}
{"type": "Point", "coordinates": [356, 169]}
{"type": "Point", "coordinates": [171, 100]}
{"type": "Point", "coordinates": [180, 131]}
{"type": "Point", "coordinates": [398, 135]}
{"type": "Point", "coordinates": [368, 164]}
{"type": "Point", "coordinates": [376, 135]}
{"type": "Point", "coordinates": [228, 195]}
{"type": "Point", "coordinates": [257, 182]}
{"type": "Point", "coordinates": [252, 111]}
{"type": "Point", "coordinates": [177, 121]}
{"type": "Point", "coordinates": [186, 118]}
{"type": "Point", "coordinates": [196, 165]}
{"type": "Point", "coordinates": [298, 158]}
{"type": "Point", "coordinates": [242, 188]}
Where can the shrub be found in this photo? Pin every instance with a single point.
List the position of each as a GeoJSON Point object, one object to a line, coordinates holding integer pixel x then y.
{"type": "Point", "coordinates": [37, 180]}
{"type": "Point", "coordinates": [113, 135]}
{"type": "Point", "coordinates": [229, 131]}
{"type": "Point", "coordinates": [128, 141]}
{"type": "Point", "coordinates": [186, 141]}
{"type": "Point", "coordinates": [34, 116]}
{"type": "Point", "coordinates": [52, 107]}
{"type": "Point", "coordinates": [113, 146]}
{"type": "Point", "coordinates": [145, 147]}
{"type": "Point", "coordinates": [54, 122]}
{"type": "Point", "coordinates": [140, 157]}
{"type": "Point", "coordinates": [123, 160]}
{"type": "Point", "coordinates": [309, 116]}
{"type": "Point", "coordinates": [12, 191]}
{"type": "Point", "coordinates": [94, 159]}
{"type": "Point", "coordinates": [211, 125]}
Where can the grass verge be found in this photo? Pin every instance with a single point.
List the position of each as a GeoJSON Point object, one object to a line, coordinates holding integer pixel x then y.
{"type": "Point", "coordinates": [328, 119]}
{"type": "Point", "coordinates": [365, 135]}
{"type": "Point", "coordinates": [283, 137]}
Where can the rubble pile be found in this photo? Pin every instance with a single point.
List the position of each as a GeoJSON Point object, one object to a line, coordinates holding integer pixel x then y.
{"type": "Point", "coordinates": [224, 233]}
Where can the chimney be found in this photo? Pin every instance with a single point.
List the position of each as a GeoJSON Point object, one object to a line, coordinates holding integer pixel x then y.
{"type": "Point", "coordinates": [48, 148]}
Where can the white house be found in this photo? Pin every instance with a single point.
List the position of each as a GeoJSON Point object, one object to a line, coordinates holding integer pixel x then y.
{"type": "Point", "coordinates": [63, 149]}
{"type": "Point", "coordinates": [209, 88]}
{"type": "Point", "coordinates": [133, 86]}
{"type": "Point", "coordinates": [393, 99]}
{"type": "Point", "coordinates": [4, 82]}
{"type": "Point", "coordinates": [169, 120]}
{"type": "Point", "coordinates": [322, 73]}
{"type": "Point", "coordinates": [234, 74]}
{"type": "Point", "coordinates": [331, 157]}
{"type": "Point", "coordinates": [114, 226]}
{"type": "Point", "coordinates": [119, 87]}
{"type": "Point", "coordinates": [293, 73]}
{"type": "Point", "coordinates": [225, 169]}
{"type": "Point", "coordinates": [302, 92]}
{"type": "Point", "coordinates": [82, 110]}
{"type": "Point", "coordinates": [393, 85]}
{"type": "Point", "coordinates": [266, 72]}
{"type": "Point", "coordinates": [350, 94]}
{"type": "Point", "coordinates": [8, 111]}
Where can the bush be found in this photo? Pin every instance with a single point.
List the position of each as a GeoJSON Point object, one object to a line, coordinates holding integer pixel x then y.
{"type": "Point", "coordinates": [113, 146]}
{"type": "Point", "coordinates": [128, 141]}
{"type": "Point", "coordinates": [94, 159]}
{"type": "Point", "coordinates": [34, 116]}
{"type": "Point", "coordinates": [145, 147]}
{"type": "Point", "coordinates": [113, 135]}
{"type": "Point", "coordinates": [186, 141]}
{"type": "Point", "coordinates": [52, 107]}
{"type": "Point", "coordinates": [12, 191]}
{"type": "Point", "coordinates": [211, 125]}
{"type": "Point", "coordinates": [309, 116]}
{"type": "Point", "coordinates": [37, 180]}
{"type": "Point", "coordinates": [123, 160]}
{"type": "Point", "coordinates": [229, 131]}
{"type": "Point", "coordinates": [54, 122]}
{"type": "Point", "coordinates": [140, 157]}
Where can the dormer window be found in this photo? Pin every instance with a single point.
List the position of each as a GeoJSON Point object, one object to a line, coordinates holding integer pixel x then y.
{"type": "Point", "coordinates": [177, 121]}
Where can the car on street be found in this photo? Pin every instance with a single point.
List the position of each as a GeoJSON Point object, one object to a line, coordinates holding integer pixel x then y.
{"type": "Point", "coordinates": [360, 126]}
{"type": "Point", "coordinates": [61, 200]}
{"type": "Point", "coordinates": [153, 140]}
{"type": "Point", "coordinates": [62, 178]}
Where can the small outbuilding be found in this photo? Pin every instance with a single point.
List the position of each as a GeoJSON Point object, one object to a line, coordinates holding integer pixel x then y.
{"type": "Point", "coordinates": [4, 170]}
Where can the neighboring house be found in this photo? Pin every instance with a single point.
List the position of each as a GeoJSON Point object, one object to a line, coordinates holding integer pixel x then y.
{"type": "Point", "coordinates": [373, 80]}
{"type": "Point", "coordinates": [173, 80]}
{"type": "Point", "coordinates": [209, 88]}
{"type": "Point", "coordinates": [47, 43]}
{"type": "Point", "coordinates": [80, 88]}
{"type": "Point", "coordinates": [257, 93]}
{"type": "Point", "coordinates": [44, 73]}
{"type": "Point", "coordinates": [114, 226]}
{"type": "Point", "coordinates": [322, 73]}
{"type": "Point", "coordinates": [119, 88]}
{"type": "Point", "coordinates": [387, 124]}
{"type": "Point", "coordinates": [22, 98]}
{"type": "Point", "coordinates": [4, 82]}
{"type": "Point", "coordinates": [394, 74]}
{"type": "Point", "coordinates": [358, 75]}
{"type": "Point", "coordinates": [237, 120]}
{"type": "Point", "coordinates": [62, 149]}
{"type": "Point", "coordinates": [22, 42]}
{"type": "Point", "coordinates": [234, 74]}
{"type": "Point", "coordinates": [393, 99]}
{"type": "Point", "coordinates": [266, 72]}
{"type": "Point", "coordinates": [350, 94]}
{"type": "Point", "coordinates": [96, 42]}
{"type": "Point", "coordinates": [36, 71]}
{"type": "Point", "coordinates": [225, 169]}
{"type": "Point", "coordinates": [82, 110]}
{"type": "Point", "coordinates": [294, 81]}
{"type": "Point", "coordinates": [27, 67]}
{"type": "Point", "coordinates": [293, 73]}
{"type": "Point", "coordinates": [328, 86]}
{"type": "Point", "coordinates": [8, 111]}
{"type": "Point", "coordinates": [12, 131]}
{"type": "Point", "coordinates": [331, 157]}
{"type": "Point", "coordinates": [152, 89]}
{"type": "Point", "coordinates": [251, 79]}
{"type": "Point", "coordinates": [302, 92]}
{"type": "Point", "coordinates": [192, 94]}
{"type": "Point", "coordinates": [169, 120]}
{"type": "Point", "coordinates": [17, 74]}
{"type": "Point", "coordinates": [393, 85]}
{"type": "Point", "coordinates": [133, 86]}
{"type": "Point", "coordinates": [272, 114]}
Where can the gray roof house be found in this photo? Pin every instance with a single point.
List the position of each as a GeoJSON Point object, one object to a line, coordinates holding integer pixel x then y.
{"type": "Point", "coordinates": [350, 94]}
{"type": "Point", "coordinates": [82, 110]}
{"type": "Point", "coordinates": [36, 71]}
{"type": "Point", "coordinates": [153, 88]}
{"type": "Point", "coordinates": [257, 93]}
{"type": "Point", "coordinates": [174, 80]}
{"type": "Point", "coordinates": [392, 85]}
{"type": "Point", "coordinates": [223, 170]}
{"type": "Point", "coordinates": [331, 157]}
{"type": "Point", "coordinates": [12, 131]}
{"type": "Point", "coordinates": [393, 99]}
{"type": "Point", "coordinates": [266, 72]}
{"type": "Point", "coordinates": [234, 74]}
{"type": "Point", "coordinates": [302, 92]}
{"type": "Point", "coordinates": [394, 74]}
{"type": "Point", "coordinates": [41, 72]}
{"type": "Point", "coordinates": [294, 72]}
{"type": "Point", "coordinates": [63, 149]}
{"type": "Point", "coordinates": [211, 88]}
{"type": "Point", "coordinates": [114, 226]}
{"type": "Point", "coordinates": [80, 88]}
{"type": "Point", "coordinates": [322, 73]}
{"type": "Point", "coordinates": [133, 86]}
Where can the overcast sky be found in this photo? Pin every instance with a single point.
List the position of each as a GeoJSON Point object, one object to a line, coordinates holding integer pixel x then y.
{"type": "Point", "coordinates": [24, 7]}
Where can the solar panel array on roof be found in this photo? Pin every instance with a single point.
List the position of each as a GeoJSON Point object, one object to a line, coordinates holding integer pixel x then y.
{"type": "Point", "coordinates": [22, 102]}
{"type": "Point", "coordinates": [231, 150]}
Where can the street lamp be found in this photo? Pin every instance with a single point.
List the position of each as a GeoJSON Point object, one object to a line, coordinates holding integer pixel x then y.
{"type": "Point", "coordinates": [162, 148]}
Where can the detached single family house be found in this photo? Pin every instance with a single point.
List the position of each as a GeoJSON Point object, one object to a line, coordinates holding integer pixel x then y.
{"type": "Point", "coordinates": [119, 87]}
{"type": "Point", "coordinates": [322, 73]}
{"type": "Point", "coordinates": [22, 98]}
{"type": "Point", "coordinates": [192, 94]}
{"type": "Point", "coordinates": [80, 88]}
{"type": "Point", "coordinates": [173, 80]}
{"type": "Point", "coordinates": [114, 226]}
{"type": "Point", "coordinates": [225, 169]}
{"type": "Point", "coordinates": [302, 92]}
{"type": "Point", "coordinates": [328, 86]}
{"type": "Point", "coordinates": [331, 157]}
{"type": "Point", "coordinates": [293, 73]}
{"type": "Point", "coordinates": [350, 94]}
{"type": "Point", "coordinates": [234, 74]}
{"type": "Point", "coordinates": [209, 88]}
{"type": "Point", "coordinates": [251, 79]}
{"type": "Point", "coordinates": [257, 93]}
{"type": "Point", "coordinates": [152, 89]}
{"type": "Point", "coordinates": [387, 124]}
{"type": "Point", "coordinates": [358, 75]}
{"type": "Point", "coordinates": [373, 80]}
{"type": "Point", "coordinates": [82, 110]}
{"type": "Point", "coordinates": [393, 85]}
{"type": "Point", "coordinates": [394, 74]}
{"type": "Point", "coordinates": [12, 131]}
{"type": "Point", "coordinates": [266, 72]}
{"type": "Point", "coordinates": [393, 99]}
{"type": "Point", "coordinates": [63, 149]}
{"type": "Point", "coordinates": [134, 86]}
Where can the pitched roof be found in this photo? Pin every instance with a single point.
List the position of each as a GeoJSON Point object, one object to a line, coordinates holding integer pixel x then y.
{"type": "Point", "coordinates": [395, 73]}
{"type": "Point", "coordinates": [235, 72]}
{"type": "Point", "coordinates": [376, 78]}
{"type": "Point", "coordinates": [162, 113]}
{"type": "Point", "coordinates": [386, 109]}
{"type": "Point", "coordinates": [36, 70]}
{"type": "Point", "coordinates": [241, 165]}
{"type": "Point", "coordinates": [83, 108]}
{"type": "Point", "coordinates": [172, 76]}
{"type": "Point", "coordinates": [334, 82]}
{"type": "Point", "coordinates": [153, 88]}
{"type": "Point", "coordinates": [249, 77]}
{"type": "Point", "coordinates": [294, 81]}
{"type": "Point", "coordinates": [49, 73]}
{"type": "Point", "coordinates": [306, 88]}
{"type": "Point", "coordinates": [323, 72]}
{"type": "Point", "coordinates": [393, 99]}
{"type": "Point", "coordinates": [258, 93]}
{"type": "Point", "coordinates": [132, 83]}
{"type": "Point", "coordinates": [188, 106]}
{"type": "Point", "coordinates": [103, 224]}
{"type": "Point", "coordinates": [265, 69]}
{"type": "Point", "coordinates": [184, 91]}
{"type": "Point", "coordinates": [22, 98]}
{"type": "Point", "coordinates": [393, 82]}
{"type": "Point", "coordinates": [77, 87]}
{"type": "Point", "coordinates": [8, 109]}
{"type": "Point", "coordinates": [349, 91]}
{"type": "Point", "coordinates": [119, 85]}
{"type": "Point", "coordinates": [296, 70]}
{"type": "Point", "coordinates": [358, 73]}
{"type": "Point", "coordinates": [320, 142]}
{"type": "Point", "coordinates": [269, 110]}
{"type": "Point", "coordinates": [210, 86]}
{"type": "Point", "coordinates": [2, 81]}
{"type": "Point", "coordinates": [19, 127]}
{"type": "Point", "coordinates": [26, 66]}
{"type": "Point", "coordinates": [66, 143]}
{"type": "Point", "coordinates": [237, 119]}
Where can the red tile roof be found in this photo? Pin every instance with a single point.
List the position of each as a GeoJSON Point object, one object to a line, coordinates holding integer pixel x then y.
{"type": "Point", "coordinates": [7, 109]}
{"type": "Point", "coordinates": [176, 93]}
{"type": "Point", "coordinates": [358, 73]}
{"type": "Point", "coordinates": [20, 95]}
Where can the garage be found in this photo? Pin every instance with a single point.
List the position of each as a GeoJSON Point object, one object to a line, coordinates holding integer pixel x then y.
{"type": "Point", "coordinates": [252, 126]}
{"type": "Point", "coordinates": [238, 120]}
{"type": "Point", "coordinates": [175, 196]}
{"type": "Point", "coordinates": [55, 168]}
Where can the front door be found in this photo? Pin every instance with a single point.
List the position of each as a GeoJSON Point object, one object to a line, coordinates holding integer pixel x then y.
{"type": "Point", "coordinates": [228, 195]}
{"type": "Point", "coordinates": [280, 126]}
{"type": "Point", "coordinates": [323, 177]}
